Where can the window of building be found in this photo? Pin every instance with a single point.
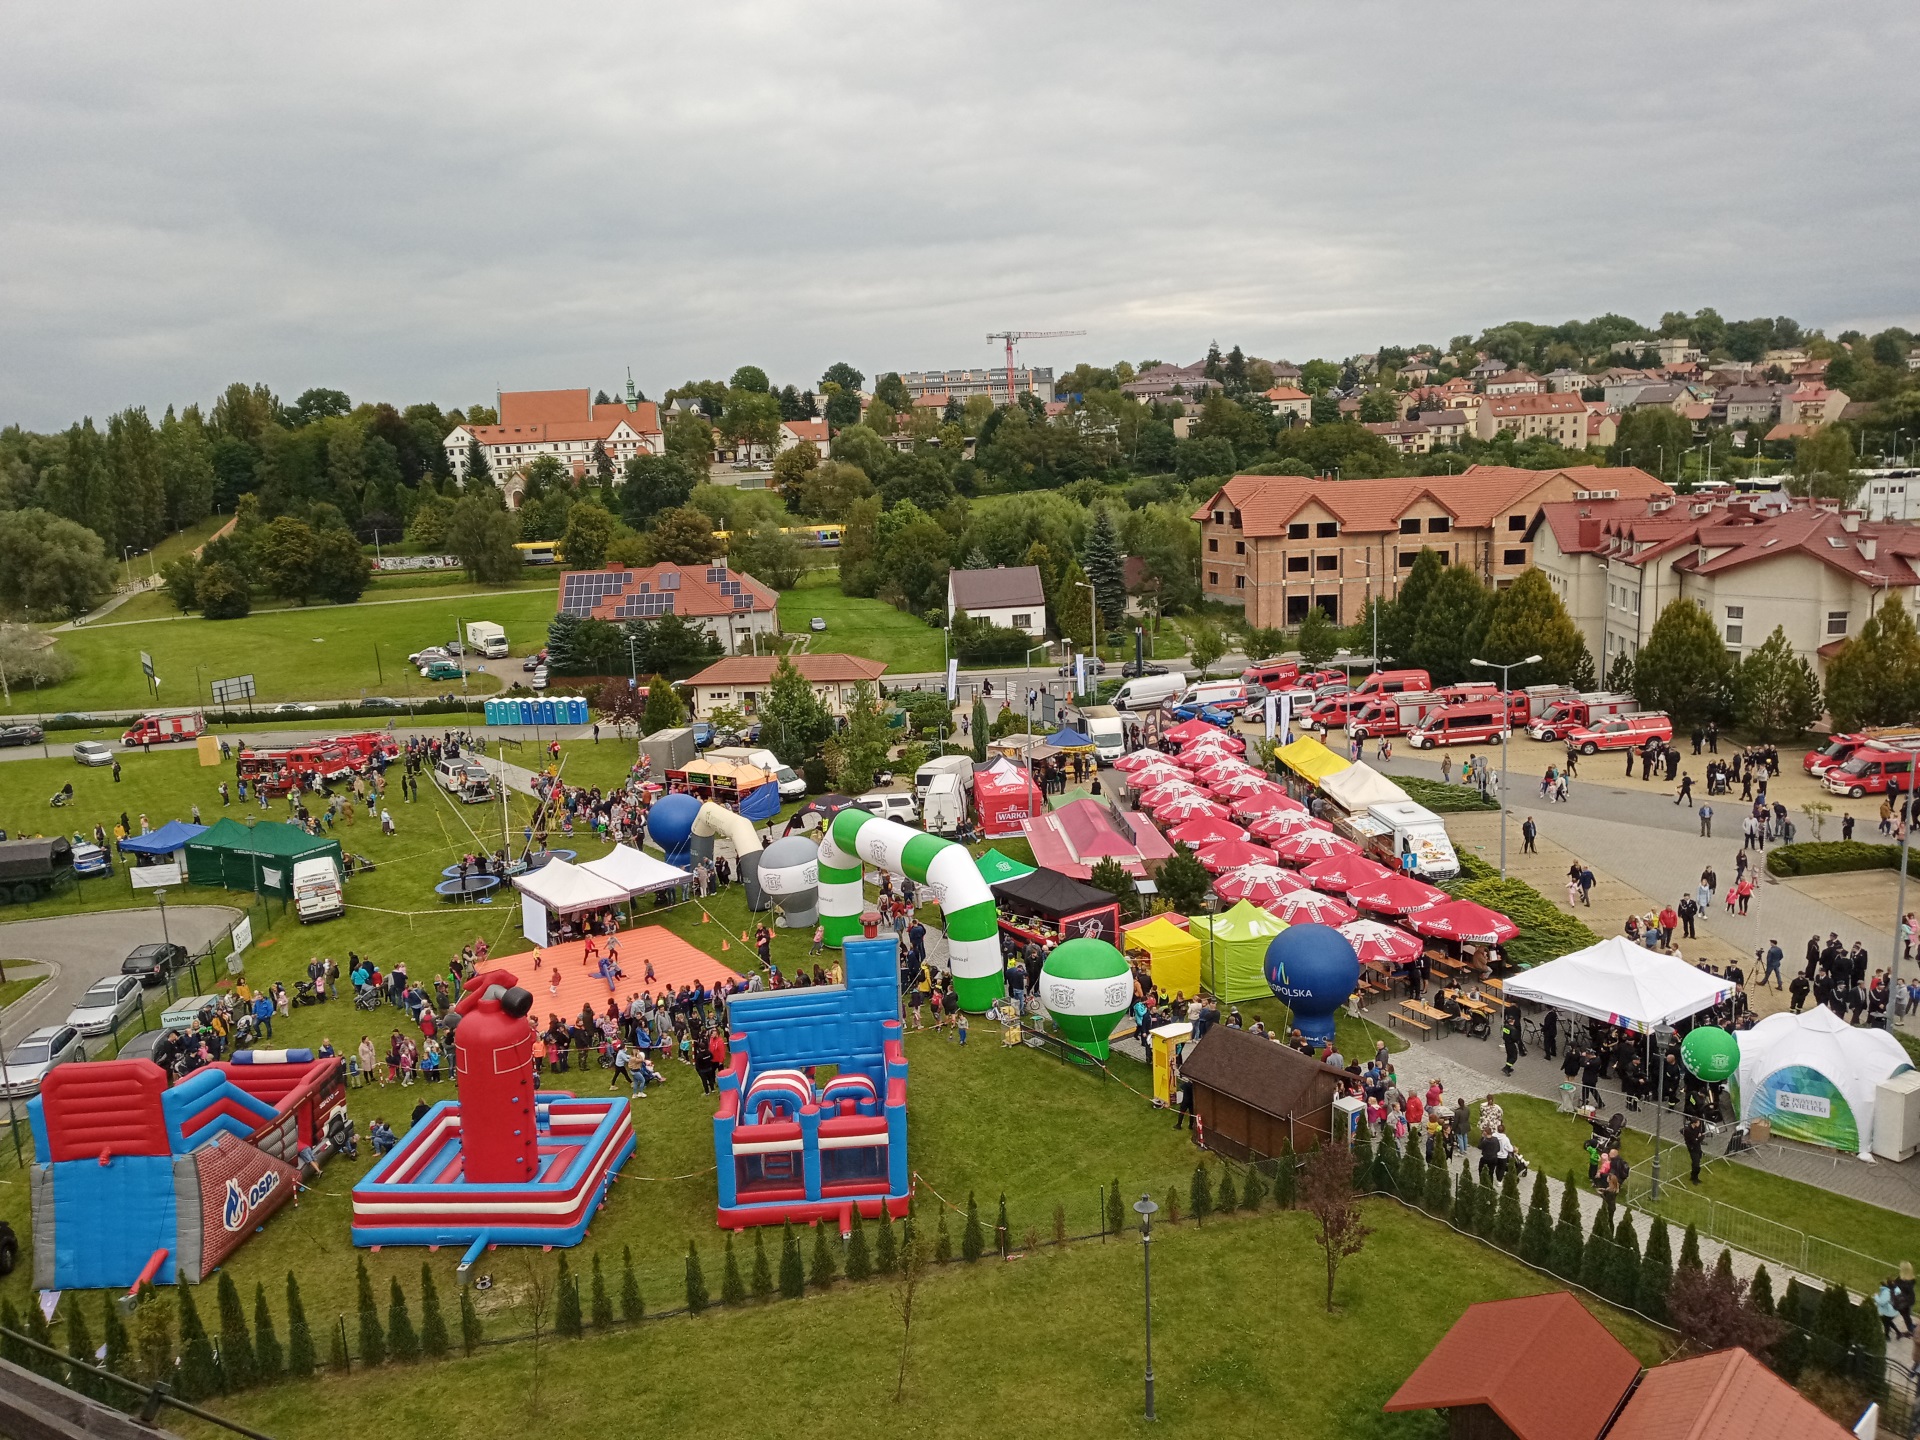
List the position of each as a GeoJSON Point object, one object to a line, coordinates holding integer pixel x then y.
{"type": "Point", "coordinates": [1297, 608]}
{"type": "Point", "coordinates": [1239, 547]}
{"type": "Point", "coordinates": [1239, 582]}
{"type": "Point", "coordinates": [1410, 526]}
{"type": "Point", "coordinates": [1236, 519]}
{"type": "Point", "coordinates": [1023, 622]}
{"type": "Point", "coordinates": [1516, 522]}
{"type": "Point", "coordinates": [1299, 530]}
{"type": "Point", "coordinates": [1213, 577]}
{"type": "Point", "coordinates": [1327, 529]}
{"type": "Point", "coordinates": [1439, 525]}
{"type": "Point", "coordinates": [1213, 544]}
{"type": "Point", "coordinates": [1735, 631]}
{"type": "Point", "coordinates": [1513, 557]}
{"type": "Point", "coordinates": [1407, 557]}
{"type": "Point", "coordinates": [1326, 562]}
{"type": "Point", "coordinates": [1219, 517]}
{"type": "Point", "coordinates": [1836, 622]}
{"type": "Point", "coordinates": [1296, 564]}
{"type": "Point", "coordinates": [1736, 612]}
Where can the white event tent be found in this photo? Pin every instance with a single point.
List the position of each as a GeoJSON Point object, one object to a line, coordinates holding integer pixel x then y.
{"type": "Point", "coordinates": [635, 871]}
{"type": "Point", "coordinates": [1815, 1077]}
{"type": "Point", "coordinates": [561, 888]}
{"type": "Point", "coordinates": [1623, 984]}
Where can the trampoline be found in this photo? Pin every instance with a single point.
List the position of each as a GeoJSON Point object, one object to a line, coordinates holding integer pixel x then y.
{"type": "Point", "coordinates": [473, 887]}
{"type": "Point", "coordinates": [537, 858]}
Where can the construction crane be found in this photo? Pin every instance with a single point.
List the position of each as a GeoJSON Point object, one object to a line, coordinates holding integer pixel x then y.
{"type": "Point", "coordinates": [1012, 335]}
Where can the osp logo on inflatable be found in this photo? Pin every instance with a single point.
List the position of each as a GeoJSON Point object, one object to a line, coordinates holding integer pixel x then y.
{"type": "Point", "coordinates": [240, 1204]}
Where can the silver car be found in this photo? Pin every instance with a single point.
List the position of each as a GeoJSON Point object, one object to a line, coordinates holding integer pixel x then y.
{"type": "Point", "coordinates": [27, 1063]}
{"type": "Point", "coordinates": [93, 752]}
{"type": "Point", "coordinates": [110, 1001]}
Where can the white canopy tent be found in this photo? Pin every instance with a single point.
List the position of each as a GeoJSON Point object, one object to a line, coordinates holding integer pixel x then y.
{"type": "Point", "coordinates": [1815, 1077]}
{"type": "Point", "coordinates": [1360, 786]}
{"type": "Point", "coordinates": [1623, 984]}
{"type": "Point", "coordinates": [635, 871]}
{"type": "Point", "coordinates": [561, 888]}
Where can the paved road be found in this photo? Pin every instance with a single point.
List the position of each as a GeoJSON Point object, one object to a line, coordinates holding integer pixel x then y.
{"type": "Point", "coordinates": [81, 949]}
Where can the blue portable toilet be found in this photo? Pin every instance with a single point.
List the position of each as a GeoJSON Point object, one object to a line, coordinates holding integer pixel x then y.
{"type": "Point", "coordinates": [543, 712]}
{"type": "Point", "coordinates": [576, 710]}
{"type": "Point", "coordinates": [523, 712]}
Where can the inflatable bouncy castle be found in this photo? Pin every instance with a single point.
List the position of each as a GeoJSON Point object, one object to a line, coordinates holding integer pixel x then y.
{"type": "Point", "coordinates": [791, 1146]}
{"type": "Point", "coordinates": [504, 1164]}
{"type": "Point", "coordinates": [135, 1181]}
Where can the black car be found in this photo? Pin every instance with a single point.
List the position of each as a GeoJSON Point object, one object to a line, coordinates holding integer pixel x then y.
{"type": "Point", "coordinates": [1135, 667]}
{"type": "Point", "coordinates": [22, 735]}
{"type": "Point", "coordinates": [1095, 666]}
{"type": "Point", "coordinates": [154, 962]}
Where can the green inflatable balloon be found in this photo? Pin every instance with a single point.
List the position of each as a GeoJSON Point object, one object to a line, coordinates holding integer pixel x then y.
{"type": "Point", "coordinates": [1086, 986]}
{"type": "Point", "coordinates": [1710, 1053]}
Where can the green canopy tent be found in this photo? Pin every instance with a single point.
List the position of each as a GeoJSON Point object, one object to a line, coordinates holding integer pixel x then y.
{"type": "Point", "coordinates": [1233, 951]}
{"type": "Point", "coordinates": [995, 867]}
{"type": "Point", "coordinates": [258, 857]}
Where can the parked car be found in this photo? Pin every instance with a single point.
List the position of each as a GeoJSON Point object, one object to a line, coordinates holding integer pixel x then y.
{"type": "Point", "coordinates": [535, 661]}
{"type": "Point", "coordinates": [702, 734]}
{"type": "Point", "coordinates": [441, 670]}
{"type": "Point", "coordinates": [1095, 666]}
{"type": "Point", "coordinates": [428, 655]}
{"type": "Point", "coordinates": [380, 702]}
{"type": "Point", "coordinates": [93, 752]}
{"type": "Point", "coordinates": [154, 961]}
{"type": "Point", "coordinates": [28, 1062]}
{"type": "Point", "coordinates": [72, 721]}
{"type": "Point", "coordinates": [540, 678]}
{"type": "Point", "coordinates": [1136, 667]}
{"type": "Point", "coordinates": [296, 707]}
{"type": "Point", "coordinates": [22, 735]}
{"type": "Point", "coordinates": [106, 1002]}
{"type": "Point", "coordinates": [889, 804]}
{"type": "Point", "coordinates": [1212, 714]}
{"type": "Point", "coordinates": [817, 623]}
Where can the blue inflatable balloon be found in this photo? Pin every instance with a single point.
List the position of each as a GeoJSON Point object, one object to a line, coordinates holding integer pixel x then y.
{"type": "Point", "coordinates": [670, 823]}
{"type": "Point", "coordinates": [1313, 969]}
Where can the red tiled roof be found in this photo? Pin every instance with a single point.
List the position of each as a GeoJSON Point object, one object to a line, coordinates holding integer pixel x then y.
{"type": "Point", "coordinates": [544, 407]}
{"type": "Point", "coordinates": [815, 669]}
{"type": "Point", "coordinates": [1474, 497]}
{"type": "Point", "coordinates": [812, 429]}
{"type": "Point", "coordinates": [1557, 403]}
{"type": "Point", "coordinates": [1286, 392]}
{"type": "Point", "coordinates": [1727, 1395]}
{"type": "Point", "coordinates": [1546, 1367]}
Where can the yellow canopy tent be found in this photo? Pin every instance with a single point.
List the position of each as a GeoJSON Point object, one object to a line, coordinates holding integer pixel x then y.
{"type": "Point", "coordinates": [1309, 758]}
{"type": "Point", "coordinates": [1175, 955]}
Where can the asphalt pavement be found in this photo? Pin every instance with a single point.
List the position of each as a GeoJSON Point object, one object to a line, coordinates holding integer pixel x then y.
{"type": "Point", "coordinates": [80, 949]}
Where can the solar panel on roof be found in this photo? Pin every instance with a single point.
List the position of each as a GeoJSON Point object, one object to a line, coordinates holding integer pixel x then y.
{"type": "Point", "coordinates": [743, 602]}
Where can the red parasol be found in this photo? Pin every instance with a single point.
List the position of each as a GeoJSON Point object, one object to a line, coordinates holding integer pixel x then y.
{"type": "Point", "coordinates": [1395, 895]}
{"type": "Point", "coordinates": [1145, 777]}
{"type": "Point", "coordinates": [1343, 873]}
{"type": "Point", "coordinates": [1310, 907]}
{"type": "Point", "coordinates": [1232, 854]}
{"type": "Point", "coordinates": [1303, 847]}
{"type": "Point", "coordinates": [1191, 730]}
{"type": "Point", "coordinates": [1247, 782]}
{"type": "Point", "coordinates": [1182, 808]}
{"type": "Point", "coordinates": [1464, 920]}
{"type": "Point", "coordinates": [1380, 944]}
{"type": "Point", "coordinates": [1258, 884]}
{"type": "Point", "coordinates": [1269, 800]}
{"type": "Point", "coordinates": [1202, 833]}
{"type": "Point", "coordinates": [1172, 790]}
{"type": "Point", "coordinates": [1283, 823]}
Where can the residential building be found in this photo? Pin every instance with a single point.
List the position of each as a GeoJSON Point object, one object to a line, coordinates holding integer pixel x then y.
{"type": "Point", "coordinates": [1279, 544]}
{"type": "Point", "coordinates": [1161, 381]}
{"type": "Point", "coordinates": [1672, 350]}
{"type": "Point", "coordinates": [1890, 494]}
{"type": "Point", "coordinates": [729, 605]}
{"type": "Point", "coordinates": [741, 682]}
{"type": "Point", "coordinates": [1415, 371]}
{"type": "Point", "coordinates": [1812, 404]}
{"type": "Point", "coordinates": [1289, 400]}
{"type": "Point", "coordinates": [1448, 427]}
{"type": "Point", "coordinates": [1407, 437]}
{"type": "Point", "coordinates": [1011, 596]}
{"type": "Point", "coordinates": [1565, 382]}
{"type": "Point", "coordinates": [1285, 373]}
{"type": "Point", "coordinates": [1488, 368]}
{"type": "Point", "coordinates": [1663, 396]}
{"type": "Point", "coordinates": [1516, 382]}
{"type": "Point", "coordinates": [1559, 418]}
{"type": "Point", "coordinates": [806, 432]}
{"type": "Point", "coordinates": [1751, 404]}
{"type": "Point", "coordinates": [563, 424]}
{"type": "Point", "coordinates": [1603, 426]}
{"type": "Point", "coordinates": [1752, 562]}
{"type": "Point", "coordinates": [989, 380]}
{"type": "Point", "coordinates": [1913, 358]}
{"type": "Point", "coordinates": [1619, 386]}
{"type": "Point", "coordinates": [1786, 359]}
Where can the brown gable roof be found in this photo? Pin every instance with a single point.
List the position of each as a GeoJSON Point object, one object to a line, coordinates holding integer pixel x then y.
{"type": "Point", "coordinates": [1270, 1077]}
{"type": "Point", "coordinates": [1546, 1367]}
{"type": "Point", "coordinates": [997, 588]}
{"type": "Point", "coordinates": [1727, 1395]}
{"type": "Point", "coordinates": [815, 669]}
{"type": "Point", "coordinates": [545, 407]}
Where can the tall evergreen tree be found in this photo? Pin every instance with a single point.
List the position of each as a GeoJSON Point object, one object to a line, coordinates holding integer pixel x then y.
{"type": "Point", "coordinates": [82, 1373]}
{"type": "Point", "coordinates": [1760, 1292]}
{"type": "Point", "coordinates": [1536, 1232]}
{"type": "Point", "coordinates": [697, 1297]}
{"type": "Point", "coordinates": [1508, 1223]}
{"type": "Point", "coordinates": [373, 1339]}
{"type": "Point", "coordinates": [1226, 1199]}
{"type": "Point", "coordinates": [821, 1273]}
{"type": "Point", "coordinates": [1656, 1272]}
{"type": "Point", "coordinates": [1439, 1197]}
{"type": "Point", "coordinates": [973, 1240]}
{"type": "Point", "coordinates": [1776, 693]}
{"type": "Point", "coordinates": [236, 1341]}
{"type": "Point", "coordinates": [1790, 1356]}
{"type": "Point", "coordinates": [435, 1344]}
{"type": "Point", "coordinates": [1486, 1207]}
{"type": "Point", "coordinates": [338, 1360]}
{"type": "Point", "coordinates": [942, 1242]}
{"type": "Point", "coordinates": [1253, 1190]}
{"type": "Point", "coordinates": [1874, 678]}
{"type": "Point", "coordinates": [268, 1356]}
{"type": "Point", "coordinates": [793, 1272]}
{"type": "Point", "coordinates": [859, 1258]}
{"type": "Point", "coordinates": [1832, 1330]}
{"type": "Point", "coordinates": [119, 1351]}
{"type": "Point", "coordinates": [1689, 1250]}
{"type": "Point", "coordinates": [139, 488]}
{"type": "Point", "coordinates": [403, 1341]}
{"type": "Point", "coordinates": [632, 1307]}
{"type": "Point", "coordinates": [762, 1283]}
{"type": "Point", "coordinates": [886, 1253]}
{"type": "Point", "coordinates": [301, 1355]}
{"type": "Point", "coordinates": [1528, 618]}
{"type": "Point", "coordinates": [186, 468]}
{"type": "Point", "coordinates": [1623, 1275]}
{"type": "Point", "coordinates": [733, 1285]}
{"type": "Point", "coordinates": [1684, 668]}
{"type": "Point", "coordinates": [1200, 1195]}
{"type": "Point", "coordinates": [1102, 561]}
{"type": "Point", "coordinates": [471, 1332]}
{"type": "Point", "coordinates": [567, 1317]}
{"type": "Point", "coordinates": [199, 1375]}
{"type": "Point", "coordinates": [1410, 604]}
{"type": "Point", "coordinates": [794, 722]}
{"type": "Point", "coordinates": [1596, 1261]}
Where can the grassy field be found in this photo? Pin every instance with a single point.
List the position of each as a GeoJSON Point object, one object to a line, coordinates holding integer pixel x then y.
{"type": "Point", "coordinates": [321, 652]}
{"type": "Point", "coordinates": [1554, 1142]}
{"type": "Point", "coordinates": [156, 605]}
{"type": "Point", "coordinates": [1053, 1337]}
{"type": "Point", "coordinates": [860, 627]}
{"type": "Point", "coordinates": [12, 990]}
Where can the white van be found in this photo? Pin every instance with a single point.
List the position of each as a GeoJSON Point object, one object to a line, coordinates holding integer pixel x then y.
{"type": "Point", "coordinates": [316, 890]}
{"type": "Point", "coordinates": [943, 808]}
{"type": "Point", "coordinates": [792, 786]}
{"type": "Point", "coordinates": [1210, 692]}
{"type": "Point", "coordinates": [1106, 727]}
{"type": "Point", "coordinates": [1147, 692]}
{"type": "Point", "coordinates": [957, 765]}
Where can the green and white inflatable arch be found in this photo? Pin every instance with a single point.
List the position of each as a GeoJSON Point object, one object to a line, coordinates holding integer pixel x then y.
{"type": "Point", "coordinates": [857, 838]}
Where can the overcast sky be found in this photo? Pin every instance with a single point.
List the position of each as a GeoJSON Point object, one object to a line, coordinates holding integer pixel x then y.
{"type": "Point", "coordinates": [429, 203]}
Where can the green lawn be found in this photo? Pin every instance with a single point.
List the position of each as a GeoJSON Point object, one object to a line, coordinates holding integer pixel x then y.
{"type": "Point", "coordinates": [1554, 1142]}
{"type": "Point", "coordinates": [860, 627]}
{"type": "Point", "coordinates": [12, 990]}
{"type": "Point", "coordinates": [1050, 1338]}
{"type": "Point", "coordinates": [157, 605]}
{"type": "Point", "coordinates": [321, 652]}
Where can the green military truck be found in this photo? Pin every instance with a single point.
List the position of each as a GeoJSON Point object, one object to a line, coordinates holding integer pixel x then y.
{"type": "Point", "coordinates": [33, 869]}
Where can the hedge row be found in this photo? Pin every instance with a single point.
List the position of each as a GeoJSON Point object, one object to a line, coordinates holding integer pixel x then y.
{"type": "Point", "coordinates": [1832, 856]}
{"type": "Point", "coordinates": [1442, 798]}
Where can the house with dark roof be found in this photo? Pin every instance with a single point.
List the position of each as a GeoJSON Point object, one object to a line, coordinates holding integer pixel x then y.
{"type": "Point", "coordinates": [729, 605]}
{"type": "Point", "coordinates": [741, 682]}
{"type": "Point", "coordinates": [1281, 544]}
{"type": "Point", "coordinates": [1542, 1368]}
{"type": "Point", "coordinates": [1011, 596]}
{"type": "Point", "coordinates": [1258, 1098]}
{"type": "Point", "coordinates": [1753, 562]}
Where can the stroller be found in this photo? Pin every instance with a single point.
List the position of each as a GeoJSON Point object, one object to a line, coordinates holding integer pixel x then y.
{"type": "Point", "coordinates": [303, 994]}
{"type": "Point", "coordinates": [367, 997]}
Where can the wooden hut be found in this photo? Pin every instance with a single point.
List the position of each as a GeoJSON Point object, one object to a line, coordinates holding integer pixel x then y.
{"type": "Point", "coordinates": [1256, 1098]}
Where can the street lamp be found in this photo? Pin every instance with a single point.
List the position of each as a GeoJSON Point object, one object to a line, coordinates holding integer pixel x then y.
{"type": "Point", "coordinates": [1093, 616]}
{"type": "Point", "coordinates": [1146, 1210]}
{"type": "Point", "coordinates": [1506, 728]}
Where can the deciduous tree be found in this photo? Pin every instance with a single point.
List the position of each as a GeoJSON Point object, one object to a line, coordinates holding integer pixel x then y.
{"type": "Point", "coordinates": [50, 566]}
{"type": "Point", "coordinates": [589, 531]}
{"type": "Point", "coordinates": [482, 533]}
{"type": "Point", "coordinates": [1528, 618]}
{"type": "Point", "coordinates": [1326, 1194]}
{"type": "Point", "coordinates": [1776, 693]}
{"type": "Point", "coordinates": [683, 537]}
{"type": "Point", "coordinates": [1684, 668]}
{"type": "Point", "coordinates": [1874, 678]}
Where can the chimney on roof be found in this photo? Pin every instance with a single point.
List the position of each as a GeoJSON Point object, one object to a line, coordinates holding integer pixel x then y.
{"type": "Point", "coordinates": [1868, 547]}
{"type": "Point", "coordinates": [1589, 532]}
{"type": "Point", "coordinates": [1850, 521]}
